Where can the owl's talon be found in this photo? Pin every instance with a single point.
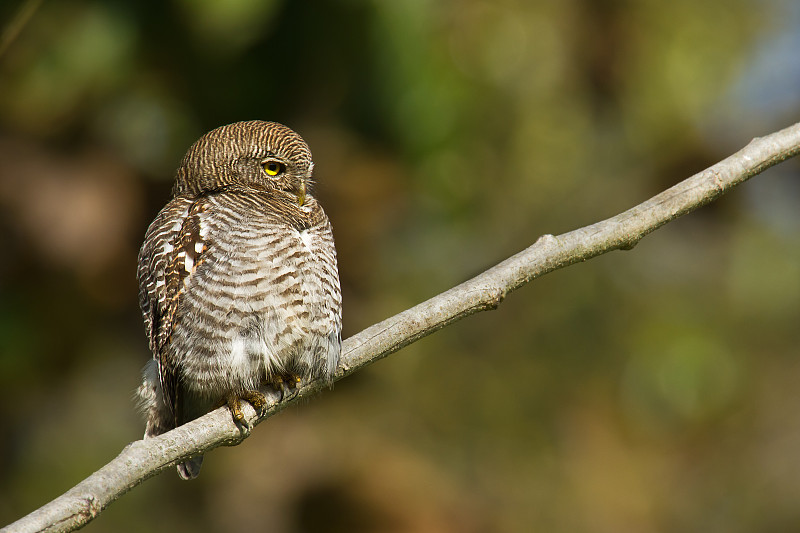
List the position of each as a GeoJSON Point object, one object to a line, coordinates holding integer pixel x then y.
{"type": "Point", "coordinates": [235, 407]}
{"type": "Point", "coordinates": [253, 397]}
{"type": "Point", "coordinates": [286, 385]}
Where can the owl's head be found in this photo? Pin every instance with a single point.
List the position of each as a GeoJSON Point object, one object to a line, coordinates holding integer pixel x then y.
{"type": "Point", "coordinates": [264, 155]}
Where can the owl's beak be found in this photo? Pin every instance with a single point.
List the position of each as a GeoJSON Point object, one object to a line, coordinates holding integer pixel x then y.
{"type": "Point", "coordinates": [301, 193]}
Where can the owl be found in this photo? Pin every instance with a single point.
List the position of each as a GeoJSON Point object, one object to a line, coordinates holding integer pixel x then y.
{"type": "Point", "coordinates": [238, 281]}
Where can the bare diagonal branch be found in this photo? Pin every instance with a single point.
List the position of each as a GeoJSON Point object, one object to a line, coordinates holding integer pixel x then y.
{"type": "Point", "coordinates": [143, 459]}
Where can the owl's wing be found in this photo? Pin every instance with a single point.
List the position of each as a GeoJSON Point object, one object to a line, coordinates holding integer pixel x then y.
{"type": "Point", "coordinates": [171, 251]}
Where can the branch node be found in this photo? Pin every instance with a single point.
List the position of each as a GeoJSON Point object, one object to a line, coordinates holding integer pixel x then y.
{"type": "Point", "coordinates": [546, 240]}
{"type": "Point", "coordinates": [93, 508]}
{"type": "Point", "coordinates": [716, 178]}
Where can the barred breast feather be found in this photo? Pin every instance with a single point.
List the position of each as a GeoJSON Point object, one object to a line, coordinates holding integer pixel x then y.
{"type": "Point", "coordinates": [241, 285]}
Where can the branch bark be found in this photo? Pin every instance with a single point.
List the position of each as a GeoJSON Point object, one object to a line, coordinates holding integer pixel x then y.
{"type": "Point", "coordinates": [142, 459]}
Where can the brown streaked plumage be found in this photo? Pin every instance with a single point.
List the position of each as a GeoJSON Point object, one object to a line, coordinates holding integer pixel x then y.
{"type": "Point", "coordinates": [238, 281]}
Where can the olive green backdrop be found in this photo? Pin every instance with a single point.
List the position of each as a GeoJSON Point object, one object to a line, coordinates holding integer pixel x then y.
{"type": "Point", "coordinates": [650, 390]}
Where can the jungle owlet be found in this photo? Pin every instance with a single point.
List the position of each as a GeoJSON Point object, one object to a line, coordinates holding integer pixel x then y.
{"type": "Point", "coordinates": [238, 282]}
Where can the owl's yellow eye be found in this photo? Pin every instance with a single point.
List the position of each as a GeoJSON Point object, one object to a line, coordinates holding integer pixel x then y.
{"type": "Point", "coordinates": [273, 168]}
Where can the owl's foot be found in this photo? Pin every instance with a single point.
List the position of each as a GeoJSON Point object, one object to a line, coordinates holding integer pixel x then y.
{"type": "Point", "coordinates": [253, 397]}
{"type": "Point", "coordinates": [286, 384]}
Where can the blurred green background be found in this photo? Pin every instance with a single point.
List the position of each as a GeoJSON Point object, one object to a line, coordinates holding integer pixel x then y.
{"type": "Point", "coordinates": [650, 390]}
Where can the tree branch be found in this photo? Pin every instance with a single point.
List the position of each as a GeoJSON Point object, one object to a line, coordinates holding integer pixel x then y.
{"type": "Point", "coordinates": [145, 458]}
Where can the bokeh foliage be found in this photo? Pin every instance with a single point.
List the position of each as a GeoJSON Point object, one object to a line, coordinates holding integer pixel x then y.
{"type": "Point", "coordinates": [651, 390]}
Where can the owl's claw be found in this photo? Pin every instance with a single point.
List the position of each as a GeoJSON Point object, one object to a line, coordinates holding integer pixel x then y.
{"type": "Point", "coordinates": [288, 383]}
{"type": "Point", "coordinates": [253, 397]}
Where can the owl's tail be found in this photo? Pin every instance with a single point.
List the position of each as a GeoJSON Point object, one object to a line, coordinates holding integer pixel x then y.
{"type": "Point", "coordinates": [151, 403]}
{"type": "Point", "coordinates": [160, 418]}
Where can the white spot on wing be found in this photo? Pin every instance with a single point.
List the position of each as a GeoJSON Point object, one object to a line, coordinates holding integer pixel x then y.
{"type": "Point", "coordinates": [168, 248]}
{"type": "Point", "coordinates": [178, 223]}
{"type": "Point", "coordinates": [198, 247]}
{"type": "Point", "coordinates": [188, 262]}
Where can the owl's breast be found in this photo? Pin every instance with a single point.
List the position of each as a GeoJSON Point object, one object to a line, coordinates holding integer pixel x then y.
{"type": "Point", "coordinates": [263, 298]}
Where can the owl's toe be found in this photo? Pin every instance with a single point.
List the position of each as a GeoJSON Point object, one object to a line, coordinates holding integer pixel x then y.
{"type": "Point", "coordinates": [287, 385]}
{"type": "Point", "coordinates": [253, 397]}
